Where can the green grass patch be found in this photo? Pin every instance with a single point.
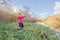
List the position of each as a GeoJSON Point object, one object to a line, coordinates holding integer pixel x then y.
{"type": "Point", "coordinates": [31, 31]}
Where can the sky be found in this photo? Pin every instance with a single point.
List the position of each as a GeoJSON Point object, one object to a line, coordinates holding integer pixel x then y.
{"type": "Point", "coordinates": [41, 8]}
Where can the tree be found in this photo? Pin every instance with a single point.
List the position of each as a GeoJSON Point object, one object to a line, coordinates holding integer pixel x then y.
{"type": "Point", "coordinates": [53, 21]}
{"type": "Point", "coordinates": [6, 14]}
{"type": "Point", "coordinates": [6, 4]}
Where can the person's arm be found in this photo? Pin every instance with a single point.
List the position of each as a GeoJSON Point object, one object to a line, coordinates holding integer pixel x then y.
{"type": "Point", "coordinates": [24, 16]}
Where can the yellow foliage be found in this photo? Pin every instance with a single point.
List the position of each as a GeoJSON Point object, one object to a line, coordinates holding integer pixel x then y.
{"type": "Point", "coordinates": [53, 21]}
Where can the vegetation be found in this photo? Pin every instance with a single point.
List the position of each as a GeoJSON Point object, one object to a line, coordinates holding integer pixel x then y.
{"type": "Point", "coordinates": [53, 21]}
{"type": "Point", "coordinates": [31, 31]}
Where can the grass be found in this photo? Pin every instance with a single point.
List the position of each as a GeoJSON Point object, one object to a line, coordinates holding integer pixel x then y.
{"type": "Point", "coordinates": [31, 31]}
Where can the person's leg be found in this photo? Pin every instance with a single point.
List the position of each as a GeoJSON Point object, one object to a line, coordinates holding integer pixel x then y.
{"type": "Point", "coordinates": [22, 25]}
{"type": "Point", "coordinates": [19, 27]}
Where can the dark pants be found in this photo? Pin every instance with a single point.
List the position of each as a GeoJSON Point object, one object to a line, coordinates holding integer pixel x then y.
{"type": "Point", "coordinates": [21, 25]}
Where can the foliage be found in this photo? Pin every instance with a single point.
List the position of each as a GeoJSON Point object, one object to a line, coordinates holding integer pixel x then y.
{"type": "Point", "coordinates": [53, 21]}
{"type": "Point", "coordinates": [31, 31]}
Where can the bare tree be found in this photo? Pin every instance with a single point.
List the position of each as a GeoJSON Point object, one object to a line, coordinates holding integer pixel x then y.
{"type": "Point", "coordinates": [6, 3]}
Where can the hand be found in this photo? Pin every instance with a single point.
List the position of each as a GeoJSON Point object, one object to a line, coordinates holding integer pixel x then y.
{"type": "Point", "coordinates": [24, 15]}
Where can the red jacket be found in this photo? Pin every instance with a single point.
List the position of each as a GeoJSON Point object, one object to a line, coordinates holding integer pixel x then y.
{"type": "Point", "coordinates": [20, 19]}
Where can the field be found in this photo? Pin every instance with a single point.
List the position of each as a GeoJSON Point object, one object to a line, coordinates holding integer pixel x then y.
{"type": "Point", "coordinates": [31, 31]}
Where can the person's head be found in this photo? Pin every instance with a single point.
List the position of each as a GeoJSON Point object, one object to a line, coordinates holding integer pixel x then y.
{"type": "Point", "coordinates": [19, 13]}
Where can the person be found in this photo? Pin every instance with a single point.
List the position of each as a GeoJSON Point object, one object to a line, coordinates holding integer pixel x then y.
{"type": "Point", "coordinates": [20, 21]}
